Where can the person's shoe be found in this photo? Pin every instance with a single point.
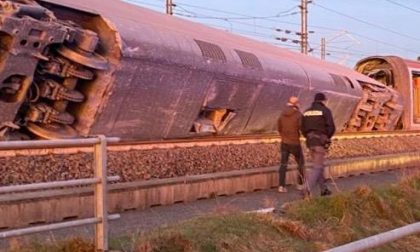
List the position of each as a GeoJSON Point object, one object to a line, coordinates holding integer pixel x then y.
{"type": "Point", "coordinates": [306, 195]}
{"type": "Point", "coordinates": [326, 192]}
{"type": "Point", "coordinates": [300, 187]}
{"type": "Point", "coordinates": [282, 189]}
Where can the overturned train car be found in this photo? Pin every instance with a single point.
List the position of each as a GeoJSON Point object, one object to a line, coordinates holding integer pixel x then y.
{"type": "Point", "coordinates": [401, 75]}
{"type": "Point", "coordinates": [68, 70]}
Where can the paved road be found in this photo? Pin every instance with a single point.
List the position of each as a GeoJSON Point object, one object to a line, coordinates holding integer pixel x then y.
{"type": "Point", "coordinates": [143, 220]}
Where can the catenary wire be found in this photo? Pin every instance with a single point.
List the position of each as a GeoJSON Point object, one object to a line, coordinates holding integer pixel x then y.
{"type": "Point", "coordinates": [366, 22]}
{"type": "Point", "coordinates": [287, 22]}
{"type": "Point", "coordinates": [403, 6]}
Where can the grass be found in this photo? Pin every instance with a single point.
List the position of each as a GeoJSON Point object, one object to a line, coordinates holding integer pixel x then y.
{"type": "Point", "coordinates": [313, 225]}
{"type": "Point", "coordinates": [72, 245]}
{"type": "Point", "coordinates": [232, 232]}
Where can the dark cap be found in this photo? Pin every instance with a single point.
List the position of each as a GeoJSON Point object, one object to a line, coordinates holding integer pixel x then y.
{"type": "Point", "coordinates": [320, 97]}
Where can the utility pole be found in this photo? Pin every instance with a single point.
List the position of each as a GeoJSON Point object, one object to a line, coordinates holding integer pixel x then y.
{"type": "Point", "coordinates": [304, 27]}
{"type": "Point", "coordinates": [169, 7]}
{"type": "Point", "coordinates": [323, 48]}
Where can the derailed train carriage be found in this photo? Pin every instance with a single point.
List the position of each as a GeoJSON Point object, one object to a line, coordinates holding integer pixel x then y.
{"type": "Point", "coordinates": [73, 68]}
{"type": "Point", "coordinates": [401, 75]}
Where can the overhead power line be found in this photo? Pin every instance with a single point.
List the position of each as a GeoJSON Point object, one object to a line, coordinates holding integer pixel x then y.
{"type": "Point", "coordinates": [311, 26]}
{"type": "Point", "coordinates": [384, 43]}
{"type": "Point", "coordinates": [144, 3]}
{"type": "Point", "coordinates": [273, 18]}
{"type": "Point", "coordinates": [343, 52]}
{"type": "Point", "coordinates": [192, 14]}
{"type": "Point", "coordinates": [316, 46]}
{"type": "Point", "coordinates": [277, 21]}
{"type": "Point", "coordinates": [366, 22]}
{"type": "Point", "coordinates": [298, 24]}
{"type": "Point", "coordinates": [361, 36]}
{"type": "Point", "coordinates": [403, 6]}
{"type": "Point", "coordinates": [243, 16]}
{"type": "Point", "coordinates": [259, 34]}
{"type": "Point", "coordinates": [198, 16]}
{"type": "Point", "coordinates": [234, 18]}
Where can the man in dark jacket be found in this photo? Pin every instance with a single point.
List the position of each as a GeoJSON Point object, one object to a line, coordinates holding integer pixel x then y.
{"type": "Point", "coordinates": [318, 128]}
{"type": "Point", "coordinates": [288, 127]}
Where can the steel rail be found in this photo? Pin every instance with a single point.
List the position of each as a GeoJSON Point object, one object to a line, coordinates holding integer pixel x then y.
{"type": "Point", "coordinates": [115, 146]}
{"type": "Point", "coordinates": [272, 137]}
{"type": "Point", "coordinates": [254, 139]}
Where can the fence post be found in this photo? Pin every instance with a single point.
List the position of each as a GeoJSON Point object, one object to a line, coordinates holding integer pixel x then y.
{"type": "Point", "coordinates": [100, 196]}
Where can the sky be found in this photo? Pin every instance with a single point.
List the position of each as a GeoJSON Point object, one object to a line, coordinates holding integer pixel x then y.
{"type": "Point", "coordinates": [353, 29]}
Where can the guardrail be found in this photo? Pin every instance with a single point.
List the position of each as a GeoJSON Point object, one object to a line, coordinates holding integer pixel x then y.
{"type": "Point", "coordinates": [99, 181]}
{"type": "Point", "coordinates": [379, 239]}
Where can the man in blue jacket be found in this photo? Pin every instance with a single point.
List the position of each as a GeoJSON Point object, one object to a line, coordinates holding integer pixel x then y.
{"type": "Point", "coordinates": [318, 128]}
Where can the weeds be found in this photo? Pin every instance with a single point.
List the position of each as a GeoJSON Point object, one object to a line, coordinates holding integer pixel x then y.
{"type": "Point", "coordinates": [72, 245]}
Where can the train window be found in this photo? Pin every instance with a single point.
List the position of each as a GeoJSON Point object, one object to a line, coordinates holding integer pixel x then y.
{"type": "Point", "coordinates": [212, 120]}
{"type": "Point", "coordinates": [338, 81]}
{"type": "Point", "coordinates": [349, 82]}
{"type": "Point", "coordinates": [212, 51]}
{"type": "Point", "coordinates": [249, 59]}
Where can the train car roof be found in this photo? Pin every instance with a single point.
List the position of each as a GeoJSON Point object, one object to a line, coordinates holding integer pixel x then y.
{"type": "Point", "coordinates": [126, 18]}
{"type": "Point", "coordinates": [412, 63]}
{"type": "Point", "coordinates": [393, 59]}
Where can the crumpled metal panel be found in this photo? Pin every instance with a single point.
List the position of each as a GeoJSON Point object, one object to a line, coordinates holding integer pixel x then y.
{"type": "Point", "coordinates": [154, 106]}
{"type": "Point", "coordinates": [399, 81]}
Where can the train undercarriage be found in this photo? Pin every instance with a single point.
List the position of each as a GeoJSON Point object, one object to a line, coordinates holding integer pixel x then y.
{"type": "Point", "coordinates": [47, 69]}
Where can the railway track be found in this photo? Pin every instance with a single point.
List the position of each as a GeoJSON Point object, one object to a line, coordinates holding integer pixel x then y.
{"type": "Point", "coordinates": [50, 206]}
{"type": "Point", "coordinates": [199, 142]}
{"type": "Point", "coordinates": [145, 161]}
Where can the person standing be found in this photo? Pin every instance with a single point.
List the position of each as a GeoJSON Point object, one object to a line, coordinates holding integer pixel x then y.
{"type": "Point", "coordinates": [288, 126]}
{"type": "Point", "coordinates": [318, 127]}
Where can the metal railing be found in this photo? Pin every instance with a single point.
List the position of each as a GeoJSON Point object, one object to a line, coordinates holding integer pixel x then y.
{"type": "Point", "coordinates": [379, 239]}
{"type": "Point", "coordinates": [99, 181]}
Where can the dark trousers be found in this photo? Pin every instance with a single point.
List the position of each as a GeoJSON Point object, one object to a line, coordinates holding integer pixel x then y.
{"type": "Point", "coordinates": [317, 175]}
{"type": "Point", "coordinates": [296, 151]}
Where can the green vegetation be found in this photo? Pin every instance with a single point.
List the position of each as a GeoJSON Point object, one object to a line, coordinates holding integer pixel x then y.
{"type": "Point", "coordinates": [312, 225]}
